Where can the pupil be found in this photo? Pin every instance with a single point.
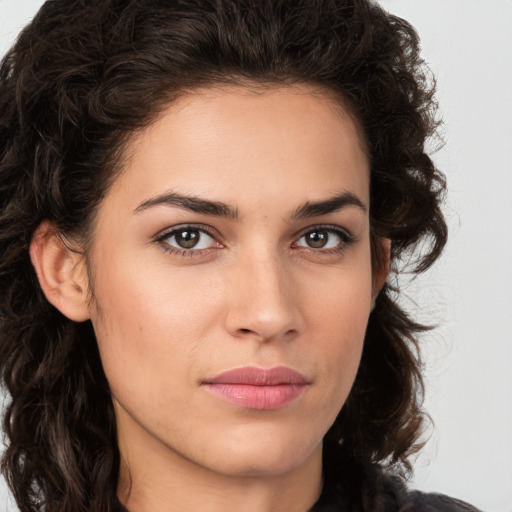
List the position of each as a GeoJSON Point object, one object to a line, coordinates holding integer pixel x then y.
{"type": "Point", "coordinates": [317, 239]}
{"type": "Point", "coordinates": [187, 238]}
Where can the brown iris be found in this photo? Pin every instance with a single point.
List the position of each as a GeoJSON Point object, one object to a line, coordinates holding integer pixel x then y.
{"type": "Point", "coordinates": [317, 239]}
{"type": "Point", "coordinates": [187, 238]}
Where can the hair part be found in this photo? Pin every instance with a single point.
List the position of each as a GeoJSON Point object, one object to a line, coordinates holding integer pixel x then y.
{"type": "Point", "coordinates": [82, 78]}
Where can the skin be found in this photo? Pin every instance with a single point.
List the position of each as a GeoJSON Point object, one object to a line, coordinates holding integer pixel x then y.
{"type": "Point", "coordinates": [252, 292]}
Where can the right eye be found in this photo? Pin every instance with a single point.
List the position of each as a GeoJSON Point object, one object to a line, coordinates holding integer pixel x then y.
{"type": "Point", "coordinates": [188, 239]}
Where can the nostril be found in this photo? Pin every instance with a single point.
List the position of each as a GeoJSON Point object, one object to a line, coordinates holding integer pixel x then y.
{"type": "Point", "coordinates": [291, 333]}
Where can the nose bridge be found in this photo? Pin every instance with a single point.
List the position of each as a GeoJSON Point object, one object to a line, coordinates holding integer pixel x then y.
{"type": "Point", "coordinates": [263, 303]}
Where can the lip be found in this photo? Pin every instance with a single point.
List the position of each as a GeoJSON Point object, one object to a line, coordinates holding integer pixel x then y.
{"type": "Point", "coordinates": [258, 388]}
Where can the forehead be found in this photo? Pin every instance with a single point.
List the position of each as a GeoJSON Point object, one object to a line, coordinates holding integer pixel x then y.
{"type": "Point", "coordinates": [224, 142]}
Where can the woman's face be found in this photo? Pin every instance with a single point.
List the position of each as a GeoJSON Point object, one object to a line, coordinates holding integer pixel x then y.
{"type": "Point", "coordinates": [232, 280]}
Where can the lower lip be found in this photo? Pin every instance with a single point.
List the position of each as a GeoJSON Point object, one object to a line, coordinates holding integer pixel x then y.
{"type": "Point", "coordinates": [257, 397]}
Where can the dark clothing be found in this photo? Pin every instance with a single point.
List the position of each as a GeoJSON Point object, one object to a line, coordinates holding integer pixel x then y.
{"type": "Point", "coordinates": [422, 502]}
{"type": "Point", "coordinates": [413, 502]}
{"type": "Point", "coordinates": [370, 489]}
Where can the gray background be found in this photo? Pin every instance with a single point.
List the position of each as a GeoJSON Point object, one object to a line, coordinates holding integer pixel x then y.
{"type": "Point", "coordinates": [468, 44]}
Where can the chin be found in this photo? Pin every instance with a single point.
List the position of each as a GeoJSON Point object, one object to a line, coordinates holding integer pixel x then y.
{"type": "Point", "coordinates": [266, 455]}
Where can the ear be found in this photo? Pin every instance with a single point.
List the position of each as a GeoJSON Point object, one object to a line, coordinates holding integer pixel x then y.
{"type": "Point", "coordinates": [381, 268]}
{"type": "Point", "coordinates": [61, 272]}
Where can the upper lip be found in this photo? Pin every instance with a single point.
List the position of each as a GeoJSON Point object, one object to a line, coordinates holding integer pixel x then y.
{"type": "Point", "coordinates": [250, 375]}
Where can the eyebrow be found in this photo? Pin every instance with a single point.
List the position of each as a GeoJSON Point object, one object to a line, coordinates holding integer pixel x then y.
{"type": "Point", "coordinates": [220, 209]}
{"type": "Point", "coordinates": [331, 205]}
{"type": "Point", "coordinates": [191, 203]}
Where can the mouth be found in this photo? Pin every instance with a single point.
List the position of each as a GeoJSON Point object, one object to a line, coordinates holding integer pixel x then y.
{"type": "Point", "coordinates": [258, 388]}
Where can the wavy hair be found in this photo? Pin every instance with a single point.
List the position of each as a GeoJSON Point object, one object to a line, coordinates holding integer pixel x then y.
{"type": "Point", "coordinates": [82, 77]}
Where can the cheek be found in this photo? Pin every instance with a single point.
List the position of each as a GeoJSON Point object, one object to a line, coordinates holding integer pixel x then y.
{"type": "Point", "coordinates": [150, 326]}
{"type": "Point", "coordinates": [338, 299]}
{"type": "Point", "coordinates": [337, 320]}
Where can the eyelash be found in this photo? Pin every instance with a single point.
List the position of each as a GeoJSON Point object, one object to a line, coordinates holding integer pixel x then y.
{"type": "Point", "coordinates": [346, 240]}
{"type": "Point", "coordinates": [187, 253]}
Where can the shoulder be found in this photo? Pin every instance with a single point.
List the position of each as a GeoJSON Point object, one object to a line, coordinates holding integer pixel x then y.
{"type": "Point", "coordinates": [416, 501]}
{"type": "Point", "coordinates": [410, 502]}
{"type": "Point", "coordinates": [372, 489]}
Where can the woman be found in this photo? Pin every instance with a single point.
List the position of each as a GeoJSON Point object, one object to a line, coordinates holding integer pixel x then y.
{"type": "Point", "coordinates": [201, 203]}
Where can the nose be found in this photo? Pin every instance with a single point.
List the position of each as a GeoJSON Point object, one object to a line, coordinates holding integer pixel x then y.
{"type": "Point", "coordinates": [263, 301]}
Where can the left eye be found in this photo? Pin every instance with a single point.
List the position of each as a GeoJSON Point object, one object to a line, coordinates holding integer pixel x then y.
{"type": "Point", "coordinates": [188, 238]}
{"type": "Point", "coordinates": [321, 238]}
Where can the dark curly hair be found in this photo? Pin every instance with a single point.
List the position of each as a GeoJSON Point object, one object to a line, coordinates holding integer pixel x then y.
{"type": "Point", "coordinates": [80, 80]}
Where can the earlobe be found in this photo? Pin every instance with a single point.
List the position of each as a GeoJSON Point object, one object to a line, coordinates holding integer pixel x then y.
{"type": "Point", "coordinates": [61, 272]}
{"type": "Point", "coordinates": [381, 271]}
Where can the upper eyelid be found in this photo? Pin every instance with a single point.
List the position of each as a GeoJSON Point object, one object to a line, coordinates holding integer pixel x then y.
{"type": "Point", "coordinates": [326, 227]}
{"type": "Point", "coordinates": [167, 232]}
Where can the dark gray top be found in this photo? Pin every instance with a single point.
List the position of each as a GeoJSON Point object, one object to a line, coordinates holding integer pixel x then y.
{"type": "Point", "coordinates": [371, 489]}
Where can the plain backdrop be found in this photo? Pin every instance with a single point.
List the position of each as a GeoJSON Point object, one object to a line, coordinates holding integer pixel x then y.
{"type": "Point", "coordinates": [468, 358]}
